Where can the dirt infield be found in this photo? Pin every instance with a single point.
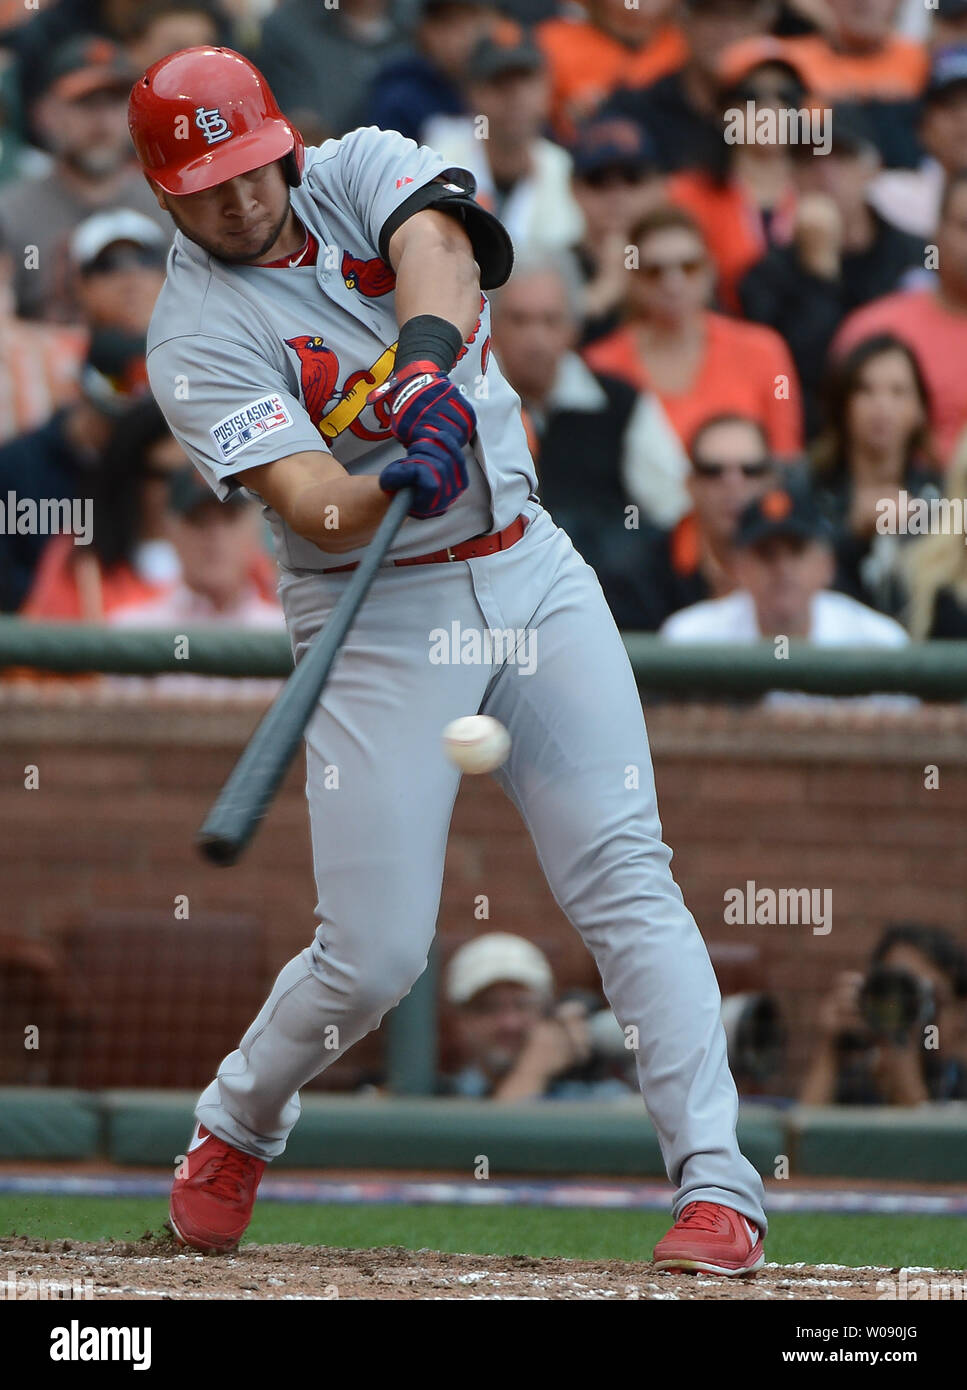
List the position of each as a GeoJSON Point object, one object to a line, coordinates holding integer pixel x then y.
{"type": "Point", "coordinates": [155, 1268]}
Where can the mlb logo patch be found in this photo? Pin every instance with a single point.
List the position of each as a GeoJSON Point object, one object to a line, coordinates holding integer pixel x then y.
{"type": "Point", "coordinates": [250, 424]}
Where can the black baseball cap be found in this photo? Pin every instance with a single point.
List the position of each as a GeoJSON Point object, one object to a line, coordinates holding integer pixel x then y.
{"type": "Point", "coordinates": [782, 511]}
{"type": "Point", "coordinates": [947, 71]}
{"type": "Point", "coordinates": [428, 7]}
{"type": "Point", "coordinates": [950, 9]}
{"type": "Point", "coordinates": [84, 64]}
{"type": "Point", "coordinates": [850, 131]}
{"type": "Point", "coordinates": [612, 144]}
{"type": "Point", "coordinates": [114, 374]}
{"type": "Point", "coordinates": [187, 490]}
{"type": "Point", "coordinates": [853, 131]}
{"type": "Point", "coordinates": [491, 59]}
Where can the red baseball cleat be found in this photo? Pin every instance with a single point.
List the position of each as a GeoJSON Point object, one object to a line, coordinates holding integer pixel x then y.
{"type": "Point", "coordinates": [711, 1238]}
{"type": "Point", "coordinates": [211, 1205]}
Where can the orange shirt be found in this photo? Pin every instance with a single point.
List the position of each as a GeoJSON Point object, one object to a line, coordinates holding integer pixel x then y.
{"type": "Point", "coordinates": [731, 224]}
{"type": "Point", "coordinates": [895, 72]}
{"type": "Point", "coordinates": [39, 367]}
{"type": "Point", "coordinates": [55, 595]}
{"type": "Point", "coordinates": [740, 373]}
{"type": "Point", "coordinates": [686, 545]}
{"type": "Point", "coordinates": [938, 337]}
{"type": "Point", "coordinates": [586, 65]}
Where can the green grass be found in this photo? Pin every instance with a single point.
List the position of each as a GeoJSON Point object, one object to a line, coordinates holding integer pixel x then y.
{"type": "Point", "coordinates": [581, 1234]}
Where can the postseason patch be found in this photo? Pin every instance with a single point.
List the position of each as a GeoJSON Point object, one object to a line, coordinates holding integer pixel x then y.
{"type": "Point", "coordinates": [250, 424]}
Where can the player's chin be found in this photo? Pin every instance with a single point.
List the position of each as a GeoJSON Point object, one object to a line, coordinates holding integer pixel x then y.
{"type": "Point", "coordinates": [243, 247]}
{"type": "Point", "coordinates": [248, 244]}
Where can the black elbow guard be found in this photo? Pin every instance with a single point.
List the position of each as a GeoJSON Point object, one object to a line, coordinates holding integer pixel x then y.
{"type": "Point", "coordinates": [452, 192]}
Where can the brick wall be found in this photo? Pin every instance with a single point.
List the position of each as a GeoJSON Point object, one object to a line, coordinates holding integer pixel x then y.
{"type": "Point", "coordinates": [818, 800]}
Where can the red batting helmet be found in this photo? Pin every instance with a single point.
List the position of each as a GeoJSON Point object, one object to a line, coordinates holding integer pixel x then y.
{"type": "Point", "coordinates": [204, 115]}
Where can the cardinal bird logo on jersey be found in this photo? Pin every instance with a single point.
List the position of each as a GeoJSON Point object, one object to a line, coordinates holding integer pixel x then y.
{"type": "Point", "coordinates": [320, 373]}
{"type": "Point", "coordinates": [371, 278]}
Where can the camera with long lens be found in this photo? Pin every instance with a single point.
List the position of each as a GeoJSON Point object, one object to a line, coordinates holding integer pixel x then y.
{"type": "Point", "coordinates": [895, 1003]}
{"type": "Point", "coordinates": [607, 1039]}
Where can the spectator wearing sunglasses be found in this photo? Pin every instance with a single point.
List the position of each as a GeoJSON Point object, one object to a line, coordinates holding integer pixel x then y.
{"type": "Point", "coordinates": [657, 572]}
{"type": "Point", "coordinates": [615, 182]}
{"type": "Point", "coordinates": [863, 58]}
{"type": "Point", "coordinates": [597, 443]}
{"type": "Point", "coordinates": [119, 263]}
{"type": "Point", "coordinates": [681, 109]}
{"type": "Point", "coordinates": [697, 362]}
{"type": "Point", "coordinates": [749, 204]}
{"type": "Point", "coordinates": [783, 563]}
{"type": "Point", "coordinates": [842, 254]}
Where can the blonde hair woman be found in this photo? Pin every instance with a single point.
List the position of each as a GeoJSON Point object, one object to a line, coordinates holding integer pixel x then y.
{"type": "Point", "coordinates": [937, 568]}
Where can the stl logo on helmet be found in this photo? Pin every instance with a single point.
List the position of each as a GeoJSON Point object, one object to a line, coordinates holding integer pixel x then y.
{"type": "Point", "coordinates": [212, 124]}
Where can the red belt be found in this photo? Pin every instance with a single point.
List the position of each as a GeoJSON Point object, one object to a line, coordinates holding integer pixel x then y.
{"type": "Point", "coordinates": [466, 550]}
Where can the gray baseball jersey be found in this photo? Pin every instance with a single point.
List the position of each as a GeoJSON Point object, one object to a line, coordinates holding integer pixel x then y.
{"type": "Point", "coordinates": [251, 363]}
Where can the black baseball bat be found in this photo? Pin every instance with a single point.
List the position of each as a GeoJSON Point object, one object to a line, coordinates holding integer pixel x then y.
{"type": "Point", "coordinates": [255, 778]}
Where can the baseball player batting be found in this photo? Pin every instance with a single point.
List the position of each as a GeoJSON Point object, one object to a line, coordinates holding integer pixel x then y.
{"type": "Point", "coordinates": [323, 340]}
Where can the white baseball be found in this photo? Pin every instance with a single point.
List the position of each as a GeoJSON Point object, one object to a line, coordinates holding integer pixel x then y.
{"type": "Point", "coordinates": [476, 743]}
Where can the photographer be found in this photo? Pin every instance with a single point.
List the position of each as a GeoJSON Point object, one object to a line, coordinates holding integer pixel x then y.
{"type": "Point", "coordinates": [895, 1036]}
{"type": "Point", "coordinates": [515, 1042]}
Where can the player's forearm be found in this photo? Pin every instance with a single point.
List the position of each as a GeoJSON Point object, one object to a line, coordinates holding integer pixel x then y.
{"type": "Point", "coordinates": [339, 513]}
{"type": "Point", "coordinates": [436, 274]}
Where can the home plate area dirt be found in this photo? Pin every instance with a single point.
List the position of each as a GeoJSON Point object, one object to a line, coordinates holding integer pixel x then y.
{"type": "Point", "coordinates": [155, 1268]}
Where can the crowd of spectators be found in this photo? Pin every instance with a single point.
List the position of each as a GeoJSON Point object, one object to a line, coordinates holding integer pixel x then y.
{"type": "Point", "coordinates": [890, 1032]}
{"type": "Point", "coordinates": [736, 324]}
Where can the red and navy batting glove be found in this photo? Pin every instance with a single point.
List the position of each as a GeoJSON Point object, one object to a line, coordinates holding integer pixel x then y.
{"type": "Point", "coordinates": [435, 467]}
{"type": "Point", "coordinates": [421, 399]}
